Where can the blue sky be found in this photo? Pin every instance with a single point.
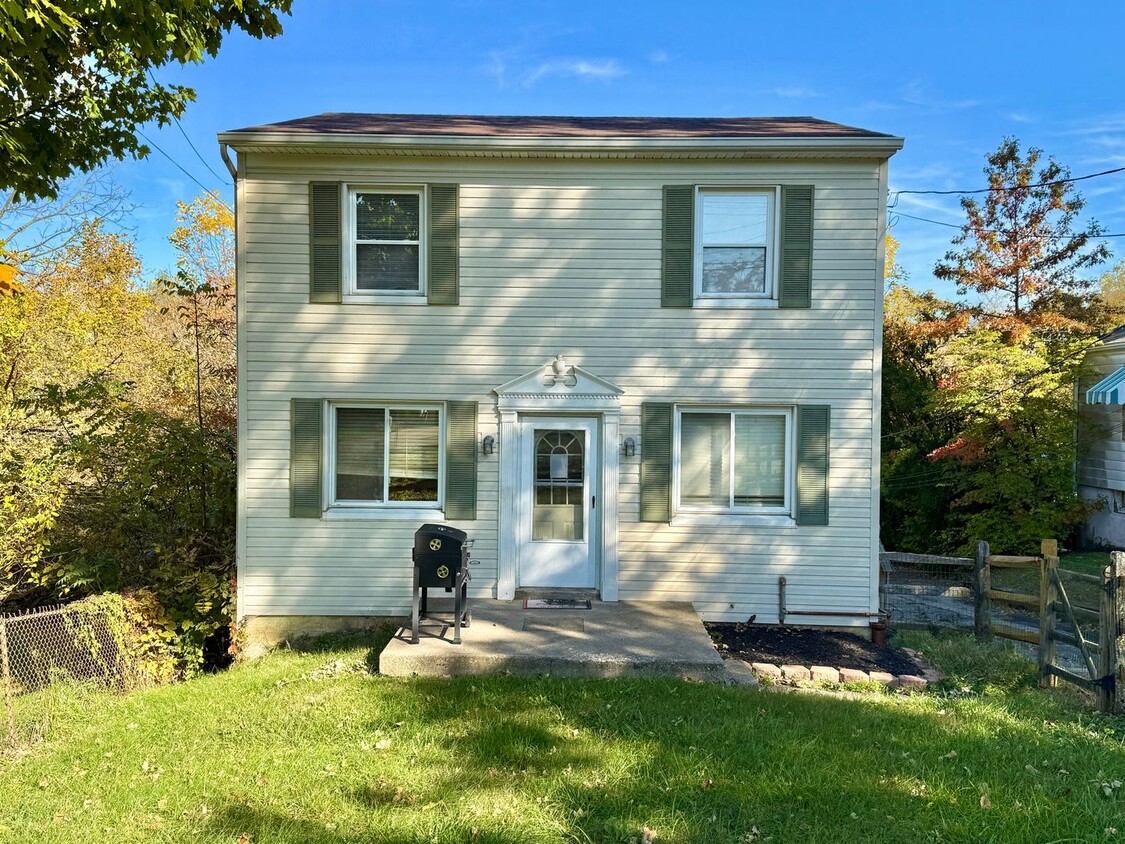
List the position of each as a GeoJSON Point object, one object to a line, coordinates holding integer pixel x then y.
{"type": "Point", "coordinates": [953, 78]}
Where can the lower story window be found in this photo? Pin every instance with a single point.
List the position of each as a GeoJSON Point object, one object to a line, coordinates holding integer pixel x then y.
{"type": "Point", "coordinates": [735, 461]}
{"type": "Point", "coordinates": [1118, 501]}
{"type": "Point", "coordinates": [386, 456]}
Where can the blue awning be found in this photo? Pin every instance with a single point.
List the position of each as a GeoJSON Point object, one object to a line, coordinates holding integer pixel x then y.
{"type": "Point", "coordinates": [1110, 390]}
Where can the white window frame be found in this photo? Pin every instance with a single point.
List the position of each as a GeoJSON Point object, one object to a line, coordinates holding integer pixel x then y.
{"type": "Point", "coordinates": [768, 298]}
{"type": "Point", "coordinates": [788, 412]}
{"type": "Point", "coordinates": [329, 458]}
{"type": "Point", "coordinates": [351, 288]}
{"type": "Point", "coordinates": [1117, 501]}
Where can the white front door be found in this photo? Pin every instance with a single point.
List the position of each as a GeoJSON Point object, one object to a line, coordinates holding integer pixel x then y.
{"type": "Point", "coordinates": [558, 500]}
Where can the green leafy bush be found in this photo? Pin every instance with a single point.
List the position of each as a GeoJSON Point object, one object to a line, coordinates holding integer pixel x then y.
{"type": "Point", "coordinates": [145, 501]}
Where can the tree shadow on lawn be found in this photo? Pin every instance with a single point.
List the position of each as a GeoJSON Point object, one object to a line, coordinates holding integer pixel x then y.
{"type": "Point", "coordinates": [705, 764]}
{"type": "Point", "coordinates": [373, 639]}
{"type": "Point", "coordinates": [245, 823]}
{"type": "Point", "coordinates": [555, 760]}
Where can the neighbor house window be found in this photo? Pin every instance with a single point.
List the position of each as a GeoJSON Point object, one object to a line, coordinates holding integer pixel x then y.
{"type": "Point", "coordinates": [735, 461]}
{"type": "Point", "coordinates": [386, 229]}
{"type": "Point", "coordinates": [1118, 501]}
{"type": "Point", "coordinates": [386, 456]}
{"type": "Point", "coordinates": [734, 243]}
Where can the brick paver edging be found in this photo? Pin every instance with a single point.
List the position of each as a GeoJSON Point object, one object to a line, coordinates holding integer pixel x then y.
{"type": "Point", "coordinates": [742, 672]}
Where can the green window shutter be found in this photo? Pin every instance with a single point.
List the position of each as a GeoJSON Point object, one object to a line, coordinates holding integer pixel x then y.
{"type": "Point", "coordinates": [677, 265]}
{"type": "Point", "coordinates": [656, 461]}
{"type": "Point", "coordinates": [442, 245]}
{"type": "Point", "coordinates": [325, 249]}
{"type": "Point", "coordinates": [795, 289]}
{"type": "Point", "coordinates": [813, 424]}
{"type": "Point", "coordinates": [461, 460]}
{"type": "Point", "coordinates": [304, 458]}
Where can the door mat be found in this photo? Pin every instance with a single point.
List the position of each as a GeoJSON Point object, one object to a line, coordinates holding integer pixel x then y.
{"type": "Point", "coordinates": [556, 604]}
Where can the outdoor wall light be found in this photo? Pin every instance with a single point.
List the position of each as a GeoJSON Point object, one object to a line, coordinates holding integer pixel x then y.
{"type": "Point", "coordinates": [488, 445]}
{"type": "Point", "coordinates": [630, 447]}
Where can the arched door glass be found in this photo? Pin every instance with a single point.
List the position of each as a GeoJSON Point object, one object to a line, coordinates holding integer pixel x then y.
{"type": "Point", "coordinates": [560, 486]}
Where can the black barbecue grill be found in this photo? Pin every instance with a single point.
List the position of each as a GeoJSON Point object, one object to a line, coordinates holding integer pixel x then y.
{"type": "Point", "coordinates": [441, 560]}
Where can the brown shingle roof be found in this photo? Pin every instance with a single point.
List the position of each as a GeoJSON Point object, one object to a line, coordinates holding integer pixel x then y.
{"type": "Point", "coordinates": [464, 125]}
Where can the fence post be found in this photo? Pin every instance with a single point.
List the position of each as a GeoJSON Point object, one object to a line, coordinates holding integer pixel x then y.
{"type": "Point", "coordinates": [1048, 597]}
{"type": "Point", "coordinates": [6, 676]}
{"type": "Point", "coordinates": [982, 582]}
{"type": "Point", "coordinates": [1113, 630]}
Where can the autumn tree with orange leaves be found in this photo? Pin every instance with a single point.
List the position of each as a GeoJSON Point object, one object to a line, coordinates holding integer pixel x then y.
{"type": "Point", "coordinates": [1019, 249]}
{"type": "Point", "coordinates": [980, 440]}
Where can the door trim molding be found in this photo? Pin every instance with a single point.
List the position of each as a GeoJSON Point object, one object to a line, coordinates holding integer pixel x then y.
{"type": "Point", "coordinates": [529, 426]}
{"type": "Point", "coordinates": [558, 389]}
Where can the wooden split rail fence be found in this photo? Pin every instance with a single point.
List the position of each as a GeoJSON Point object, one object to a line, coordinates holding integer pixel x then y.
{"type": "Point", "coordinates": [1049, 616]}
{"type": "Point", "coordinates": [1096, 633]}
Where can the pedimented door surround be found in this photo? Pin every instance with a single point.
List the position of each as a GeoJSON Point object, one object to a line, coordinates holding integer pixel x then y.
{"type": "Point", "coordinates": [559, 389]}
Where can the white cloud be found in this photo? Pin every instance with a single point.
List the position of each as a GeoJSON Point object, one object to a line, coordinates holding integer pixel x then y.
{"type": "Point", "coordinates": [601, 69]}
{"type": "Point", "coordinates": [915, 94]}
{"type": "Point", "coordinates": [795, 92]}
{"type": "Point", "coordinates": [658, 56]}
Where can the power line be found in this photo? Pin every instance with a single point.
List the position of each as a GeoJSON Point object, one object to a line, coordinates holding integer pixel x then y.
{"type": "Point", "coordinates": [198, 155]}
{"type": "Point", "coordinates": [1067, 180]}
{"type": "Point", "coordinates": [185, 172]}
{"type": "Point", "coordinates": [993, 231]}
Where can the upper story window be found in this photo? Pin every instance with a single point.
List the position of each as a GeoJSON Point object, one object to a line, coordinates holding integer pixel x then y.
{"type": "Point", "coordinates": [386, 231]}
{"type": "Point", "coordinates": [735, 244]}
{"type": "Point", "coordinates": [734, 461]}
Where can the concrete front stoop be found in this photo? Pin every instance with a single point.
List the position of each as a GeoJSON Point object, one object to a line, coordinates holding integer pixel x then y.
{"type": "Point", "coordinates": [622, 639]}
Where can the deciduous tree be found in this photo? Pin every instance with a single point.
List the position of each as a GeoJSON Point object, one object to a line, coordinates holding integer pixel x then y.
{"type": "Point", "coordinates": [76, 77]}
{"type": "Point", "coordinates": [1020, 249]}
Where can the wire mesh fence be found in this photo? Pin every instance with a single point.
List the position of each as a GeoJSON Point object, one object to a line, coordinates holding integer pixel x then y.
{"type": "Point", "coordinates": [1069, 622]}
{"type": "Point", "coordinates": [80, 646]}
{"type": "Point", "coordinates": [924, 590]}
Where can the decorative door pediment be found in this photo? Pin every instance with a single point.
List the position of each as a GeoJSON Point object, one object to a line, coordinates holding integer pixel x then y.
{"type": "Point", "coordinates": [558, 385]}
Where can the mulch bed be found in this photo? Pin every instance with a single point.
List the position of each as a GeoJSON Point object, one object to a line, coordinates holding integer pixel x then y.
{"type": "Point", "coordinates": [792, 646]}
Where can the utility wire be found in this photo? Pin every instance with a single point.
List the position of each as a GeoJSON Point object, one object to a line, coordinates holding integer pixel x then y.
{"type": "Point", "coordinates": [198, 155]}
{"type": "Point", "coordinates": [1008, 189]}
{"type": "Point", "coordinates": [993, 231]}
{"type": "Point", "coordinates": [179, 166]}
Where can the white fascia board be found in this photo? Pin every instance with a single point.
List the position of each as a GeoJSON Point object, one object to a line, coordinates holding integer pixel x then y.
{"type": "Point", "coordinates": [687, 147]}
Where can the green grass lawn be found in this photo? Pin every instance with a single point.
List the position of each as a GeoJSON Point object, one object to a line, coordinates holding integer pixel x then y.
{"type": "Point", "coordinates": [310, 747]}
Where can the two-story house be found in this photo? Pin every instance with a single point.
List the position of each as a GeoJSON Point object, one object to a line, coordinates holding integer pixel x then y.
{"type": "Point", "coordinates": [639, 356]}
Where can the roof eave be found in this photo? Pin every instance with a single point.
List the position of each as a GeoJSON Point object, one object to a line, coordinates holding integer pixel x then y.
{"type": "Point", "coordinates": [882, 147]}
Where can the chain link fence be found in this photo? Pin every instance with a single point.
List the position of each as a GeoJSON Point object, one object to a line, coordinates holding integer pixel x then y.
{"type": "Point", "coordinates": [48, 653]}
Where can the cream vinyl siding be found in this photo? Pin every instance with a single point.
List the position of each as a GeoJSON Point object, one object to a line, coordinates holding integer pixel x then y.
{"type": "Point", "coordinates": [560, 257]}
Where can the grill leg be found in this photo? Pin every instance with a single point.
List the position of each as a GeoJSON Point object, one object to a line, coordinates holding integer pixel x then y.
{"type": "Point", "coordinates": [458, 591]}
{"type": "Point", "coordinates": [414, 611]}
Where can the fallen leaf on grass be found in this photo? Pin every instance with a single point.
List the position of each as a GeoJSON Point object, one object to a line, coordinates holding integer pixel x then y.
{"type": "Point", "coordinates": [985, 803]}
{"type": "Point", "coordinates": [383, 744]}
{"type": "Point", "coordinates": [648, 835]}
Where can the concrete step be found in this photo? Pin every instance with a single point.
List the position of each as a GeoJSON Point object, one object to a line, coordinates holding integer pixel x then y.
{"type": "Point", "coordinates": [621, 639]}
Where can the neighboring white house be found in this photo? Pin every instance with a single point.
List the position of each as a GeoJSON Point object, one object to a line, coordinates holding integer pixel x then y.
{"type": "Point", "coordinates": [634, 355]}
{"type": "Point", "coordinates": [1101, 462]}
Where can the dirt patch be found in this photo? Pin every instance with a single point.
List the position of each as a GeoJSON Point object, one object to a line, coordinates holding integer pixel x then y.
{"type": "Point", "coordinates": [791, 646]}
